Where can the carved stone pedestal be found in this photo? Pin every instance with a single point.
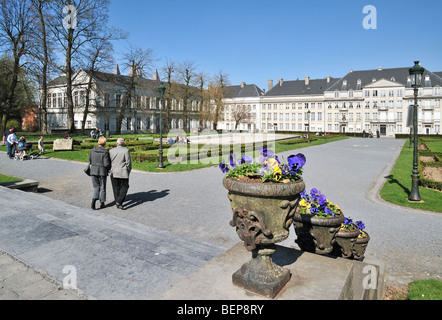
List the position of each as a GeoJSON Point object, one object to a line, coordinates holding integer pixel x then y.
{"type": "Point", "coordinates": [261, 275]}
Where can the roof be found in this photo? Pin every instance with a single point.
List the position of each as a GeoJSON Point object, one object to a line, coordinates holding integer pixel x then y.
{"type": "Point", "coordinates": [59, 81]}
{"type": "Point", "coordinates": [244, 91]}
{"type": "Point", "coordinates": [299, 87]}
{"type": "Point", "coordinates": [356, 80]}
{"type": "Point", "coordinates": [110, 78]}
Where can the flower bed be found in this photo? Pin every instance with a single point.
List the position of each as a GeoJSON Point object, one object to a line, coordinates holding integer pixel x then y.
{"type": "Point", "coordinates": [430, 169]}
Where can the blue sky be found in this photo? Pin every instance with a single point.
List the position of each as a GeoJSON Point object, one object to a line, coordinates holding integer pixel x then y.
{"type": "Point", "coordinates": [253, 41]}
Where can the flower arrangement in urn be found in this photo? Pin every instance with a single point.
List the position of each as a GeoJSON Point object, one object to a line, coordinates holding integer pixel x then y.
{"type": "Point", "coordinates": [267, 167]}
{"type": "Point", "coordinates": [316, 222]}
{"type": "Point", "coordinates": [317, 204]}
{"type": "Point", "coordinates": [361, 243]}
{"type": "Point", "coordinates": [351, 239]}
{"type": "Point", "coordinates": [346, 238]}
{"type": "Point", "coordinates": [263, 194]}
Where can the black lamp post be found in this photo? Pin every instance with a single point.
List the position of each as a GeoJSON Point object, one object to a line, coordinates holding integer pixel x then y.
{"type": "Point", "coordinates": [416, 78]}
{"type": "Point", "coordinates": [308, 128]}
{"type": "Point", "coordinates": [161, 90]}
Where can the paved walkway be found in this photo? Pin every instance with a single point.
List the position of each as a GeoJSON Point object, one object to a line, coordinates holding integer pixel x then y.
{"type": "Point", "coordinates": [176, 222]}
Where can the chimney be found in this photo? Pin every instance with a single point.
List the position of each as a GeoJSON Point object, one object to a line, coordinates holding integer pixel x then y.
{"type": "Point", "coordinates": [328, 78]}
{"type": "Point", "coordinates": [307, 80]}
{"type": "Point", "coordinates": [243, 84]}
{"type": "Point", "coordinates": [351, 70]}
{"type": "Point", "coordinates": [281, 81]}
{"type": "Point", "coordinates": [270, 84]}
{"type": "Point", "coordinates": [379, 68]}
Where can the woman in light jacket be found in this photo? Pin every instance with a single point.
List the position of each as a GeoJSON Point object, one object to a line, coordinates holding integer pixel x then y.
{"type": "Point", "coordinates": [100, 163]}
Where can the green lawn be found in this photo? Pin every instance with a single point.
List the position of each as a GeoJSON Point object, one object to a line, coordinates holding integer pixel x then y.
{"type": "Point", "coordinates": [398, 185]}
{"type": "Point", "coordinates": [429, 289]}
{"type": "Point", "coordinates": [151, 166]}
{"type": "Point", "coordinates": [6, 179]}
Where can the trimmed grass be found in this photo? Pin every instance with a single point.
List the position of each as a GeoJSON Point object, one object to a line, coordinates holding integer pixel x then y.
{"type": "Point", "coordinates": [430, 289]}
{"type": "Point", "coordinates": [6, 179]}
{"type": "Point", "coordinates": [82, 155]}
{"type": "Point", "coordinates": [398, 185]}
{"type": "Point", "coordinates": [426, 289]}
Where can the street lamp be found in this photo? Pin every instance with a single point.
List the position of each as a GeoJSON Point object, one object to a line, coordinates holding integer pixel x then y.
{"type": "Point", "coordinates": [161, 90]}
{"type": "Point", "coordinates": [308, 128]}
{"type": "Point", "coordinates": [416, 78]}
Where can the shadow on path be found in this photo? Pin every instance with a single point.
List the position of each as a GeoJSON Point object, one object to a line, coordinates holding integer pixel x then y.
{"type": "Point", "coordinates": [134, 199]}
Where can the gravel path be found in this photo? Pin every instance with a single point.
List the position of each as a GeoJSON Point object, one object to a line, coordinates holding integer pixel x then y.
{"type": "Point", "coordinates": [194, 203]}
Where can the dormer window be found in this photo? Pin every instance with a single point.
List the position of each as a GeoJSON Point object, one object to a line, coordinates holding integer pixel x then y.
{"type": "Point", "coordinates": [373, 80]}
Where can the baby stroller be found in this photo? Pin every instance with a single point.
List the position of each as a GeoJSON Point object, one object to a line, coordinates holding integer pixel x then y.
{"type": "Point", "coordinates": [24, 151]}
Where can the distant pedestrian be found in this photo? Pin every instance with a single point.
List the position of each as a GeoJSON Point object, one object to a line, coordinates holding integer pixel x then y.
{"type": "Point", "coordinates": [41, 148]}
{"type": "Point", "coordinates": [378, 134]}
{"type": "Point", "coordinates": [5, 140]}
{"type": "Point", "coordinates": [121, 168]}
{"type": "Point", "coordinates": [100, 165]}
{"type": "Point", "coordinates": [11, 142]}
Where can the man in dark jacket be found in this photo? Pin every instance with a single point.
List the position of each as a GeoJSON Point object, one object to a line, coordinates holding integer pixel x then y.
{"type": "Point", "coordinates": [100, 164]}
{"type": "Point", "coordinates": [5, 141]}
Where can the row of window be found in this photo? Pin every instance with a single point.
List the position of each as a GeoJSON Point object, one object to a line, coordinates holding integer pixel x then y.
{"type": "Point", "coordinates": [342, 116]}
{"type": "Point", "coordinates": [59, 100]}
{"type": "Point", "coordinates": [392, 128]}
{"type": "Point", "coordinates": [349, 105]}
{"type": "Point", "coordinates": [390, 92]}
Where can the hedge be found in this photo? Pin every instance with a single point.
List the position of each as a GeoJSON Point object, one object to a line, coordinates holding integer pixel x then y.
{"type": "Point", "coordinates": [424, 182]}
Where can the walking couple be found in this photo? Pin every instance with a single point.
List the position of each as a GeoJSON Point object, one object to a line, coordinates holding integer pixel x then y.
{"type": "Point", "coordinates": [117, 162]}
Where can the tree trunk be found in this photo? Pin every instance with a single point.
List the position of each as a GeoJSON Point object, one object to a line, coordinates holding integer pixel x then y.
{"type": "Point", "coordinates": [71, 125]}
{"type": "Point", "coordinates": [43, 106]}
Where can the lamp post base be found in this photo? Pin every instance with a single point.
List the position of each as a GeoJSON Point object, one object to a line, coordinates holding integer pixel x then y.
{"type": "Point", "coordinates": [414, 194]}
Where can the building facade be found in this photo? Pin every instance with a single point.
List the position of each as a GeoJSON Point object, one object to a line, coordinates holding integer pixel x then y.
{"type": "Point", "coordinates": [142, 113]}
{"type": "Point", "coordinates": [368, 100]}
{"type": "Point", "coordinates": [242, 108]}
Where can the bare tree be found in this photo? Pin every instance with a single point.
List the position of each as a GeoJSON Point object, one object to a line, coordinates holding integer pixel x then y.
{"type": "Point", "coordinates": [186, 77]}
{"type": "Point", "coordinates": [42, 56]}
{"type": "Point", "coordinates": [204, 101]}
{"type": "Point", "coordinates": [139, 62]}
{"type": "Point", "coordinates": [97, 55]}
{"type": "Point", "coordinates": [16, 21]}
{"type": "Point", "coordinates": [75, 23]}
{"type": "Point", "coordinates": [169, 70]}
{"type": "Point", "coordinates": [217, 92]}
{"type": "Point", "coordinates": [241, 113]}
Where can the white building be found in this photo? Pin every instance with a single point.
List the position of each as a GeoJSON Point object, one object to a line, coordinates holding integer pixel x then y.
{"type": "Point", "coordinates": [367, 100]}
{"type": "Point", "coordinates": [242, 108]}
{"type": "Point", "coordinates": [108, 89]}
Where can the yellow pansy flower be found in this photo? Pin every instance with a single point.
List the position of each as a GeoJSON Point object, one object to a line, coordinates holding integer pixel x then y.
{"type": "Point", "coordinates": [277, 173]}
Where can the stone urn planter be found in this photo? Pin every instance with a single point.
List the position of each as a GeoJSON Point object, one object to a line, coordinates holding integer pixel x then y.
{"type": "Point", "coordinates": [360, 246]}
{"type": "Point", "coordinates": [345, 240]}
{"type": "Point", "coordinates": [262, 215]}
{"type": "Point", "coordinates": [316, 234]}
